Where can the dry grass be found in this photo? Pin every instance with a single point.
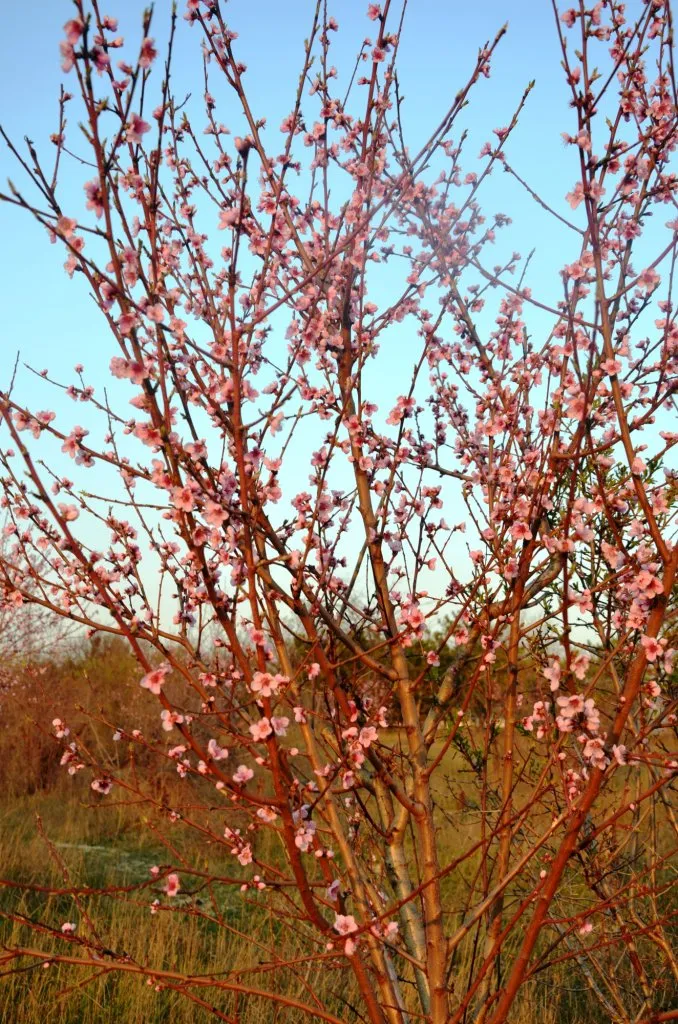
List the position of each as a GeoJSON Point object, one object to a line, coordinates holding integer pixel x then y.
{"type": "Point", "coordinates": [177, 941]}
{"type": "Point", "coordinates": [103, 844]}
{"type": "Point", "coordinates": [111, 851]}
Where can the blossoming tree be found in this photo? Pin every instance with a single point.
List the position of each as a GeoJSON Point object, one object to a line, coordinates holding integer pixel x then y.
{"type": "Point", "coordinates": [445, 820]}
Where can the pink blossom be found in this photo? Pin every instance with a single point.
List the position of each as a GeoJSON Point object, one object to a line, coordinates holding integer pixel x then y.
{"type": "Point", "coordinates": [155, 679]}
{"type": "Point", "coordinates": [413, 616]}
{"type": "Point", "coordinates": [136, 127]}
{"type": "Point", "coordinates": [68, 513]}
{"type": "Point", "coordinates": [72, 262]}
{"type": "Point", "coordinates": [66, 226]}
{"type": "Point", "coordinates": [619, 753]}
{"type": "Point", "coordinates": [71, 760]}
{"type": "Point", "coordinates": [182, 498]}
{"type": "Point", "coordinates": [575, 271]}
{"type": "Point", "coordinates": [100, 58]}
{"type": "Point", "coordinates": [552, 673]}
{"type": "Point", "coordinates": [580, 665]}
{"type": "Point", "coordinates": [576, 707]}
{"type": "Point", "coordinates": [243, 146]}
{"type": "Point", "coordinates": [653, 648]}
{"type": "Point", "coordinates": [267, 685]}
{"type": "Point", "coordinates": [521, 531]}
{"type": "Point", "coordinates": [576, 407]}
{"type": "Point", "coordinates": [94, 195]}
{"type": "Point", "coordinates": [649, 279]}
{"type": "Point", "coordinates": [403, 408]}
{"type": "Point", "coordinates": [245, 855]}
{"type": "Point", "coordinates": [261, 730]}
{"type": "Point", "coordinates": [67, 55]}
{"type": "Point", "coordinates": [345, 924]}
{"type": "Point", "coordinates": [216, 752]}
{"type": "Point", "coordinates": [280, 724]}
{"type": "Point", "coordinates": [242, 774]}
{"type": "Point", "coordinates": [540, 717]}
{"type": "Point", "coordinates": [576, 196]}
{"type": "Point", "coordinates": [583, 140]}
{"type": "Point", "coordinates": [571, 706]}
{"type": "Point", "coordinates": [133, 370]}
{"type": "Point", "coordinates": [148, 53]}
{"type": "Point", "coordinates": [228, 218]}
{"type": "Point", "coordinates": [74, 29]}
{"type": "Point", "coordinates": [214, 514]}
{"type": "Point", "coordinates": [368, 735]}
{"type": "Point", "coordinates": [71, 445]}
{"type": "Point", "coordinates": [172, 886]}
{"type": "Point", "coordinates": [156, 312]}
{"type": "Point", "coordinates": [594, 751]}
{"type": "Point", "coordinates": [170, 719]}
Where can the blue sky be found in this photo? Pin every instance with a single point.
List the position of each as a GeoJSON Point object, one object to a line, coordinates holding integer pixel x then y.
{"type": "Point", "coordinates": [52, 321]}
{"type": "Point", "coordinates": [46, 316]}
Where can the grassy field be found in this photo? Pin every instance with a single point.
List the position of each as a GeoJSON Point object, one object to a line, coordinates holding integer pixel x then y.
{"type": "Point", "coordinates": [119, 855]}
{"type": "Point", "coordinates": [55, 835]}
{"type": "Point", "coordinates": [103, 851]}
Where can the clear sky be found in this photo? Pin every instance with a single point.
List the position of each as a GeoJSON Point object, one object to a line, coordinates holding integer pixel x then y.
{"type": "Point", "coordinates": [44, 315]}
{"type": "Point", "coordinates": [52, 321]}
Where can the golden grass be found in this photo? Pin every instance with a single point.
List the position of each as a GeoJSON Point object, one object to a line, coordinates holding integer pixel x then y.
{"type": "Point", "coordinates": [109, 851]}
{"type": "Point", "coordinates": [102, 844]}
{"type": "Point", "coordinates": [176, 941]}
